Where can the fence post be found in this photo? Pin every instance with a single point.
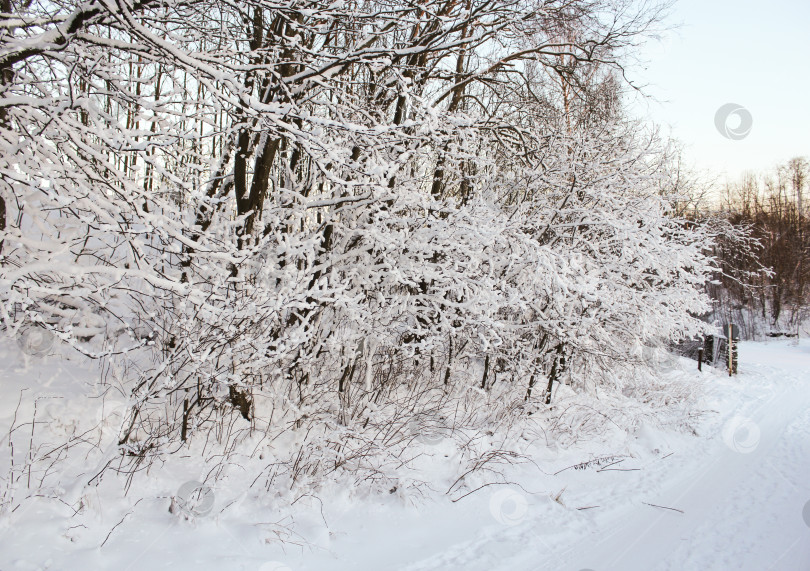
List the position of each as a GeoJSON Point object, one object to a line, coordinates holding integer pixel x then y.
{"type": "Point", "coordinates": [732, 351]}
{"type": "Point", "coordinates": [708, 349]}
{"type": "Point", "coordinates": [730, 344]}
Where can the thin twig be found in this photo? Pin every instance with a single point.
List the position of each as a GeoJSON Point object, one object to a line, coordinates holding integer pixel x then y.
{"type": "Point", "coordinates": [664, 507]}
{"type": "Point", "coordinates": [606, 466]}
{"type": "Point", "coordinates": [119, 523]}
{"type": "Point", "coordinates": [496, 484]}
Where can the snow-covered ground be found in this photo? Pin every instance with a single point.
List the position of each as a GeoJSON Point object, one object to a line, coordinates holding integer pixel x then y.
{"type": "Point", "coordinates": [733, 495]}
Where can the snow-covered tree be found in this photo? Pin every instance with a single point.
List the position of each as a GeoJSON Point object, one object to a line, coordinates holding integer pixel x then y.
{"type": "Point", "coordinates": [309, 214]}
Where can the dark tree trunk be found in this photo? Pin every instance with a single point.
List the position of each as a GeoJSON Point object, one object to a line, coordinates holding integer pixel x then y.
{"type": "Point", "coordinates": [556, 370]}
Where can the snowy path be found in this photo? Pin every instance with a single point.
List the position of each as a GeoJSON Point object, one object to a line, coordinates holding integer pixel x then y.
{"type": "Point", "coordinates": [742, 508]}
{"type": "Point", "coordinates": [745, 496]}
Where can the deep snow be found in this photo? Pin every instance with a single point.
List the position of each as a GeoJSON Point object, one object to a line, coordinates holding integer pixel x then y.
{"type": "Point", "coordinates": [733, 495]}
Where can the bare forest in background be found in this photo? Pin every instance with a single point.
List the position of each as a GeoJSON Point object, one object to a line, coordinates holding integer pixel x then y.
{"type": "Point", "coordinates": [764, 264]}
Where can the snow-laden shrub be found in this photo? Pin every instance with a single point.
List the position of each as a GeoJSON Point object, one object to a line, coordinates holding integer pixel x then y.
{"type": "Point", "coordinates": [327, 239]}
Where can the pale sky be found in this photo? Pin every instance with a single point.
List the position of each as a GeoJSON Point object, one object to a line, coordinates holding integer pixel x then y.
{"type": "Point", "coordinates": [755, 54]}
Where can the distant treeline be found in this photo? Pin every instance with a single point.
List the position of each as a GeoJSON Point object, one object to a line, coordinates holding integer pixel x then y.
{"type": "Point", "coordinates": [764, 263]}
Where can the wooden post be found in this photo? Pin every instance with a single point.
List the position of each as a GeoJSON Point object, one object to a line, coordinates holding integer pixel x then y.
{"type": "Point", "coordinates": [708, 349]}
{"type": "Point", "coordinates": [730, 352]}
{"type": "Point", "coordinates": [700, 359]}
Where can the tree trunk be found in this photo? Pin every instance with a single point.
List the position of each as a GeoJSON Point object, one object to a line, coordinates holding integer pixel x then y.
{"type": "Point", "coordinates": [556, 369]}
